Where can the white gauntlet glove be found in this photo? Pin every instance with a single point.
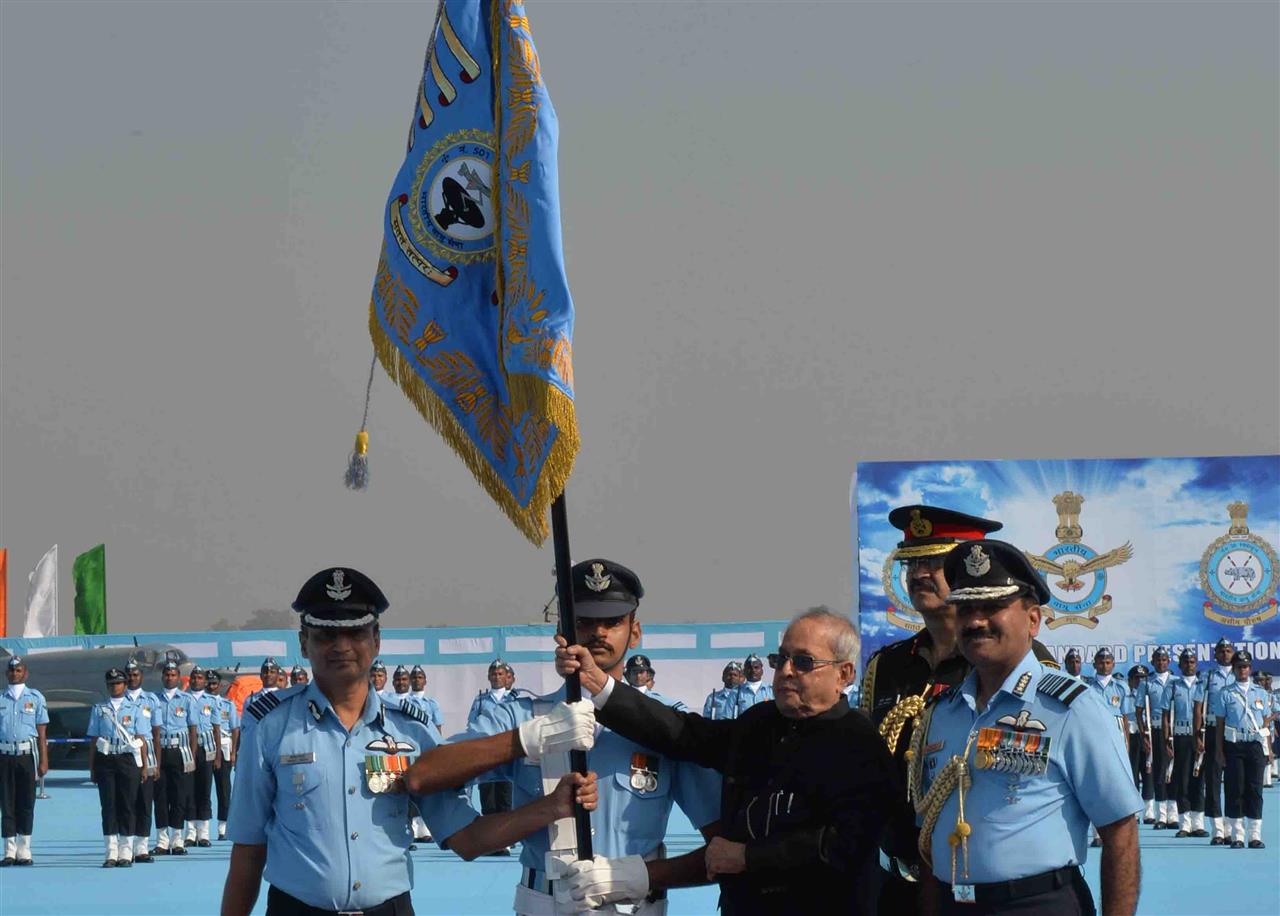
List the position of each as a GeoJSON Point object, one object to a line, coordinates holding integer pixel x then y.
{"type": "Point", "coordinates": [589, 885]}
{"type": "Point", "coordinates": [568, 727]}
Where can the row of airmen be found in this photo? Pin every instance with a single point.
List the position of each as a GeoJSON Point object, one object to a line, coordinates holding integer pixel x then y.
{"type": "Point", "coordinates": [1181, 732]}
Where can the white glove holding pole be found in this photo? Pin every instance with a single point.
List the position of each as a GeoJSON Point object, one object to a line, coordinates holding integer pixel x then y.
{"type": "Point", "coordinates": [589, 885]}
{"type": "Point", "coordinates": [568, 727]}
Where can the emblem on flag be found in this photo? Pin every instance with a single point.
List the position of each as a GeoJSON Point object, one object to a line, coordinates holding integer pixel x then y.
{"type": "Point", "coordinates": [471, 313]}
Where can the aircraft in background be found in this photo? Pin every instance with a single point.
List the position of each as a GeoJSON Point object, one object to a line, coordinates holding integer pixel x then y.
{"type": "Point", "coordinates": [72, 682]}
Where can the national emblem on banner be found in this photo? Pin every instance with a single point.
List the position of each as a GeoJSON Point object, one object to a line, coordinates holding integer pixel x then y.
{"type": "Point", "coordinates": [1080, 595]}
{"type": "Point", "coordinates": [1238, 574]}
{"type": "Point", "coordinates": [471, 313]}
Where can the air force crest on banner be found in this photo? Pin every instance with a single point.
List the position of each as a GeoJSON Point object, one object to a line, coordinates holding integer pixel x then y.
{"type": "Point", "coordinates": [1079, 595]}
{"type": "Point", "coordinates": [452, 207]}
{"type": "Point", "coordinates": [1238, 574]}
{"type": "Point", "coordinates": [597, 581]}
{"type": "Point", "coordinates": [337, 589]}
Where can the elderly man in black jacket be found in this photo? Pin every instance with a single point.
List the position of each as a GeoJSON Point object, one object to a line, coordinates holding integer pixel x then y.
{"type": "Point", "coordinates": [808, 782]}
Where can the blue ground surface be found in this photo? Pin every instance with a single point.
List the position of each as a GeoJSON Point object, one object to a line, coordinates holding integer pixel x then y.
{"type": "Point", "coordinates": [1179, 876]}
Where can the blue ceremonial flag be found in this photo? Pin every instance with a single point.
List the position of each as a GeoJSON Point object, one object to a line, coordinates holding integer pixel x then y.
{"type": "Point", "coordinates": [471, 313]}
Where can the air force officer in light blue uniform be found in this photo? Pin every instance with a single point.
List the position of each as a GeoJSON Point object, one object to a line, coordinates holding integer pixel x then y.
{"type": "Point", "coordinates": [1045, 756]}
{"type": "Point", "coordinates": [319, 809]}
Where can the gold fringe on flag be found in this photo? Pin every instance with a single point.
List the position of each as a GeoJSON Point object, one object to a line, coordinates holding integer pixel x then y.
{"type": "Point", "coordinates": [530, 519]}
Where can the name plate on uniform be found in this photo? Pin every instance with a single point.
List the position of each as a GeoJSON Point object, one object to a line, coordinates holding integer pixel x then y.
{"type": "Point", "coordinates": [1003, 751]}
{"type": "Point", "coordinates": [291, 759]}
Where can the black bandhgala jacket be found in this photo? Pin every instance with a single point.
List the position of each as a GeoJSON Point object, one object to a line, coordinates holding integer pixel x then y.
{"type": "Point", "coordinates": [809, 797]}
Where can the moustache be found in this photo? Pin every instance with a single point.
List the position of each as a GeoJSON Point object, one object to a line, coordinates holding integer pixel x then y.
{"type": "Point", "coordinates": [973, 632]}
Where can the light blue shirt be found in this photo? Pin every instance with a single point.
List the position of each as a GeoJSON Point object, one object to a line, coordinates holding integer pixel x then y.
{"type": "Point", "coordinates": [721, 704]}
{"type": "Point", "coordinates": [628, 820]}
{"type": "Point", "coordinates": [208, 709]}
{"type": "Point", "coordinates": [430, 708]}
{"type": "Point", "coordinates": [1181, 699]}
{"type": "Point", "coordinates": [1158, 693]}
{"type": "Point", "coordinates": [748, 697]}
{"type": "Point", "coordinates": [301, 790]}
{"type": "Point", "coordinates": [177, 714]}
{"type": "Point", "coordinates": [103, 720]}
{"type": "Point", "coordinates": [1114, 694]}
{"type": "Point", "coordinates": [1214, 680]}
{"type": "Point", "coordinates": [1245, 710]}
{"type": "Point", "coordinates": [1030, 813]}
{"type": "Point", "coordinates": [228, 716]}
{"type": "Point", "coordinates": [149, 709]}
{"type": "Point", "coordinates": [19, 718]}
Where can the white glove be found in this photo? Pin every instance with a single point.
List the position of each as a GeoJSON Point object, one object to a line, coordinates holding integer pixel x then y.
{"type": "Point", "coordinates": [587, 885]}
{"type": "Point", "coordinates": [568, 727]}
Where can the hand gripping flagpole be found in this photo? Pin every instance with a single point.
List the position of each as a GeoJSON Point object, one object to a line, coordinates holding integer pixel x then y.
{"type": "Point", "coordinates": [568, 629]}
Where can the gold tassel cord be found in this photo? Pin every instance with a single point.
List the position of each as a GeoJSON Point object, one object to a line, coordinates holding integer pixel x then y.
{"type": "Point", "coordinates": [907, 708]}
{"type": "Point", "coordinates": [530, 519]}
{"type": "Point", "coordinates": [954, 777]}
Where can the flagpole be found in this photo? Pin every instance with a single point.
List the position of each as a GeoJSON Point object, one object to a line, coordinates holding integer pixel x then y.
{"type": "Point", "coordinates": [569, 630]}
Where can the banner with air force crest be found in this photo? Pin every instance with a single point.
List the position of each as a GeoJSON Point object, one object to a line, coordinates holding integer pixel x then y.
{"type": "Point", "coordinates": [1137, 552]}
{"type": "Point", "coordinates": [471, 313]}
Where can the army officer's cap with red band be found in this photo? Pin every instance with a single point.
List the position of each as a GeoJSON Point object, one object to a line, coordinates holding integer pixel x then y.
{"type": "Point", "coordinates": [930, 530]}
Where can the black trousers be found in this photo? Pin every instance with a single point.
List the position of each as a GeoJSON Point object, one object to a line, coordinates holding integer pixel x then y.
{"type": "Point", "coordinates": [281, 904]}
{"type": "Point", "coordinates": [1188, 789]}
{"type": "Point", "coordinates": [1072, 899]}
{"type": "Point", "coordinates": [117, 777]}
{"type": "Point", "coordinates": [495, 797]}
{"type": "Point", "coordinates": [1159, 761]}
{"type": "Point", "coordinates": [17, 794]}
{"type": "Point", "coordinates": [198, 806]}
{"type": "Point", "coordinates": [1211, 773]}
{"type": "Point", "coordinates": [222, 788]}
{"type": "Point", "coordinates": [1138, 763]}
{"type": "Point", "coordinates": [173, 790]}
{"type": "Point", "coordinates": [142, 802]}
{"type": "Point", "coordinates": [1245, 762]}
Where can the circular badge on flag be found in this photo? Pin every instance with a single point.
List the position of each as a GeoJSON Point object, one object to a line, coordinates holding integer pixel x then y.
{"type": "Point", "coordinates": [453, 206]}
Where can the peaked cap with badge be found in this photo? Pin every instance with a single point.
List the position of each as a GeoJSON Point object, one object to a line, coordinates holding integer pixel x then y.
{"type": "Point", "coordinates": [989, 570]}
{"type": "Point", "coordinates": [114, 676]}
{"type": "Point", "coordinates": [499, 665]}
{"type": "Point", "coordinates": [638, 663]}
{"type": "Point", "coordinates": [602, 588]}
{"type": "Point", "coordinates": [340, 597]}
{"type": "Point", "coordinates": [14, 662]}
{"type": "Point", "coordinates": [930, 530]}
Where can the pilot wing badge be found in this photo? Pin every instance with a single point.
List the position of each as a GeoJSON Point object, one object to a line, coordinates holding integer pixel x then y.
{"type": "Point", "coordinates": [471, 313]}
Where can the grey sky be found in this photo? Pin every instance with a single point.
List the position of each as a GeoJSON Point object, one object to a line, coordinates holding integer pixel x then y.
{"type": "Point", "coordinates": [798, 236]}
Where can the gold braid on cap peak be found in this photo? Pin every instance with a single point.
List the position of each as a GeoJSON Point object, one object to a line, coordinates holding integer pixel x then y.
{"type": "Point", "coordinates": [924, 550]}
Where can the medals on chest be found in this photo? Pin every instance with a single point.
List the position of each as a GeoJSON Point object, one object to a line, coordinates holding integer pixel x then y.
{"type": "Point", "coordinates": [1003, 751]}
{"type": "Point", "coordinates": [644, 772]}
{"type": "Point", "coordinates": [386, 763]}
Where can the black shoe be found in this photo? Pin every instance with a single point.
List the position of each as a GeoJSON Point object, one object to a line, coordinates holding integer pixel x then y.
{"type": "Point", "coordinates": [178, 851]}
{"type": "Point", "coordinates": [203, 843]}
{"type": "Point", "coordinates": [1200, 833]}
{"type": "Point", "coordinates": [1218, 841]}
{"type": "Point", "coordinates": [1237, 844]}
{"type": "Point", "coordinates": [24, 862]}
{"type": "Point", "coordinates": [124, 863]}
{"type": "Point", "coordinates": [1148, 821]}
{"type": "Point", "coordinates": [143, 857]}
{"type": "Point", "coordinates": [413, 847]}
{"type": "Point", "coordinates": [1170, 825]}
{"type": "Point", "coordinates": [1159, 825]}
{"type": "Point", "coordinates": [159, 852]}
{"type": "Point", "coordinates": [1095, 842]}
{"type": "Point", "coordinates": [1182, 833]}
{"type": "Point", "coordinates": [6, 862]}
{"type": "Point", "coordinates": [504, 851]}
{"type": "Point", "coordinates": [110, 863]}
{"type": "Point", "coordinates": [1257, 844]}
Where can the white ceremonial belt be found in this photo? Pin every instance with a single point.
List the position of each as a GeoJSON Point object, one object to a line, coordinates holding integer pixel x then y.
{"type": "Point", "coordinates": [15, 747]}
{"type": "Point", "coordinates": [1183, 728]}
{"type": "Point", "coordinates": [1238, 735]}
{"type": "Point", "coordinates": [1210, 719]}
{"type": "Point", "coordinates": [172, 742]}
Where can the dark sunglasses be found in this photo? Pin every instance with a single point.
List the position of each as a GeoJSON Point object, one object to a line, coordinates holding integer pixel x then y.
{"type": "Point", "coordinates": [930, 563]}
{"type": "Point", "coordinates": [801, 662]}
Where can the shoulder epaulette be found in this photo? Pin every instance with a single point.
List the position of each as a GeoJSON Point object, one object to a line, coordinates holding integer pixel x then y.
{"type": "Point", "coordinates": [1061, 687]}
{"type": "Point", "coordinates": [262, 705]}
{"type": "Point", "coordinates": [522, 693]}
{"type": "Point", "coordinates": [413, 711]}
{"type": "Point", "coordinates": [869, 683]}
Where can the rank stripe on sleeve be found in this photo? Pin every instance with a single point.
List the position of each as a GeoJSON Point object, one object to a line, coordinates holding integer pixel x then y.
{"type": "Point", "coordinates": [413, 712]}
{"type": "Point", "coordinates": [1063, 689]}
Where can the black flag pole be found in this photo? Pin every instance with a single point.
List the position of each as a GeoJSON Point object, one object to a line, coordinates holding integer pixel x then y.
{"type": "Point", "coordinates": [568, 629]}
